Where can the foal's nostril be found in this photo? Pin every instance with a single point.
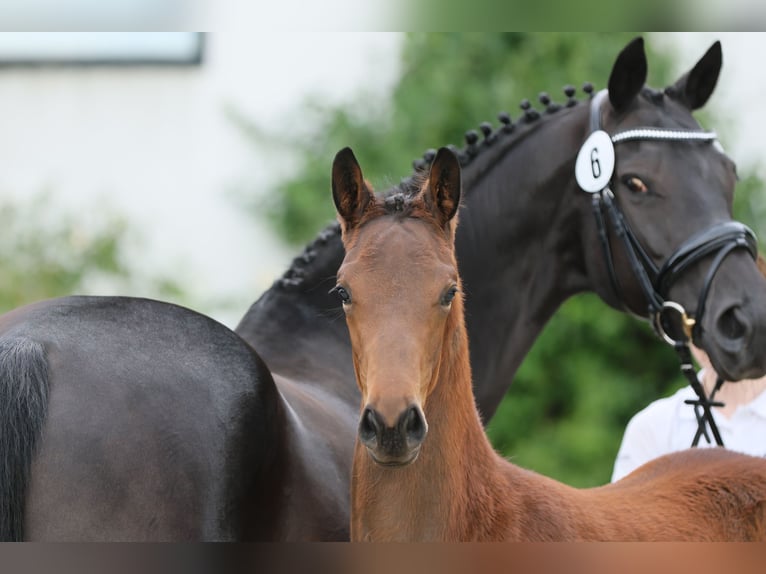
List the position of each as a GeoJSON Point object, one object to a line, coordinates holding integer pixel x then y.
{"type": "Point", "coordinates": [392, 442]}
{"type": "Point", "coordinates": [369, 426]}
{"type": "Point", "coordinates": [731, 324]}
{"type": "Point", "coordinates": [415, 425]}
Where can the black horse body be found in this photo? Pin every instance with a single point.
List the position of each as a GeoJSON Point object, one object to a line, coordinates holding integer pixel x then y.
{"type": "Point", "coordinates": [150, 408]}
{"type": "Point", "coordinates": [163, 424]}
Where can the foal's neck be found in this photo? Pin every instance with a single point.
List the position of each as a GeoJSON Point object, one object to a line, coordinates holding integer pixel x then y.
{"type": "Point", "coordinates": [455, 477]}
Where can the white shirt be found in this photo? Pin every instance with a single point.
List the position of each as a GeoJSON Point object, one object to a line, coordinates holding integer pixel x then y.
{"type": "Point", "coordinates": [668, 425]}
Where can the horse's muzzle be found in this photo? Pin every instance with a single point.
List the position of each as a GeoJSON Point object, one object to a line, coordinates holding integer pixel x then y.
{"type": "Point", "coordinates": [398, 445]}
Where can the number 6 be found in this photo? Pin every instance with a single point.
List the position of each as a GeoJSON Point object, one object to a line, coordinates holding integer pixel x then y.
{"type": "Point", "coordinates": [595, 166]}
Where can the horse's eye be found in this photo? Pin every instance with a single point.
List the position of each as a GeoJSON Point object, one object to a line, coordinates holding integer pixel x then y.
{"type": "Point", "coordinates": [345, 296]}
{"type": "Point", "coordinates": [449, 295]}
{"type": "Point", "coordinates": [635, 184]}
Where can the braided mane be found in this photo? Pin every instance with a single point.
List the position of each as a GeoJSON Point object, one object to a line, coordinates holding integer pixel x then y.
{"type": "Point", "coordinates": [489, 147]}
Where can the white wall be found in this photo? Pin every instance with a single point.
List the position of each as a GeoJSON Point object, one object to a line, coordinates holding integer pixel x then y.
{"type": "Point", "coordinates": [739, 98]}
{"type": "Point", "coordinates": [156, 143]}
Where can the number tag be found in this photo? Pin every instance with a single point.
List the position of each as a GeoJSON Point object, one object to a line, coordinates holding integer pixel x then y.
{"type": "Point", "coordinates": [595, 162]}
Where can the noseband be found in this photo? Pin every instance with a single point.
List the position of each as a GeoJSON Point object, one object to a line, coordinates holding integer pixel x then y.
{"type": "Point", "coordinates": [719, 240]}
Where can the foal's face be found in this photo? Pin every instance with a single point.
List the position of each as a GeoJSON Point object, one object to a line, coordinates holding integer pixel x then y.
{"type": "Point", "coordinates": [399, 281]}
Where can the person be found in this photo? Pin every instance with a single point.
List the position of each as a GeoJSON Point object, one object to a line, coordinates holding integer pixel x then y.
{"type": "Point", "coordinates": [669, 424]}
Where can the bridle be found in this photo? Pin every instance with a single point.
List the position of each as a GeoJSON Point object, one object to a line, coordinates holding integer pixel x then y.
{"type": "Point", "coordinates": [719, 240]}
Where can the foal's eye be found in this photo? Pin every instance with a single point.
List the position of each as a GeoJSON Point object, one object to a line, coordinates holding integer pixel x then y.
{"type": "Point", "coordinates": [345, 296]}
{"type": "Point", "coordinates": [449, 295]}
{"type": "Point", "coordinates": [635, 184]}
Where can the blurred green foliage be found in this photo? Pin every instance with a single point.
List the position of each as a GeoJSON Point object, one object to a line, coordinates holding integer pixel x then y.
{"type": "Point", "coordinates": [497, 15]}
{"type": "Point", "coordinates": [593, 367]}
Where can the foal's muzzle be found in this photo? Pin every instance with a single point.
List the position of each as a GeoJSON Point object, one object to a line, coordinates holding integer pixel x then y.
{"type": "Point", "coordinates": [398, 445]}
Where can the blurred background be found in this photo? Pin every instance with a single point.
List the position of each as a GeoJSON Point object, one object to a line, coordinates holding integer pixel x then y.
{"type": "Point", "coordinates": [192, 167]}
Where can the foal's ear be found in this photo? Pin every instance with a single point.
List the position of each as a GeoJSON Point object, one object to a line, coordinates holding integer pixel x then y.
{"type": "Point", "coordinates": [443, 191]}
{"type": "Point", "coordinates": [349, 192]}
{"type": "Point", "coordinates": [695, 87]}
{"type": "Point", "coordinates": [628, 75]}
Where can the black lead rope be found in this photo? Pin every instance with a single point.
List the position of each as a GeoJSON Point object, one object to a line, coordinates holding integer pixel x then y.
{"type": "Point", "coordinates": [702, 404]}
{"type": "Point", "coordinates": [701, 426]}
{"type": "Point", "coordinates": [655, 283]}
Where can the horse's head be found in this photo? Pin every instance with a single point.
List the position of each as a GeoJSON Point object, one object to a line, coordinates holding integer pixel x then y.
{"type": "Point", "coordinates": [674, 189]}
{"type": "Point", "coordinates": [398, 284]}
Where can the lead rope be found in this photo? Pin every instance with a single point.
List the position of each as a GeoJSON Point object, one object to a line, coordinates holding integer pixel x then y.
{"type": "Point", "coordinates": [701, 431]}
{"type": "Point", "coordinates": [703, 403]}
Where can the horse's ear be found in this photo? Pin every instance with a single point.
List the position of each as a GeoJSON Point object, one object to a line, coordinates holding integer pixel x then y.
{"type": "Point", "coordinates": [349, 191]}
{"type": "Point", "coordinates": [443, 190]}
{"type": "Point", "coordinates": [695, 87]}
{"type": "Point", "coordinates": [628, 75]}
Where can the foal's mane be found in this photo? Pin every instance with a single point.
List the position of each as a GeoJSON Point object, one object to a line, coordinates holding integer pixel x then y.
{"type": "Point", "coordinates": [479, 151]}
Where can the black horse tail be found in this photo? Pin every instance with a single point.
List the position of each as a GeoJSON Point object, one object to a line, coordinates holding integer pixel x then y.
{"type": "Point", "coordinates": [23, 406]}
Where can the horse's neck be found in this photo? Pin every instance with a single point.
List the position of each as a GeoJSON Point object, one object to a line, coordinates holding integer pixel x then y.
{"type": "Point", "coordinates": [456, 479]}
{"type": "Point", "coordinates": [519, 250]}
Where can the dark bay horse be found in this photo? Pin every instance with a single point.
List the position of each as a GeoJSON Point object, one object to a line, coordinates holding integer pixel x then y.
{"type": "Point", "coordinates": [146, 414]}
{"type": "Point", "coordinates": [423, 468]}
{"type": "Point", "coordinates": [528, 240]}
{"type": "Point", "coordinates": [134, 419]}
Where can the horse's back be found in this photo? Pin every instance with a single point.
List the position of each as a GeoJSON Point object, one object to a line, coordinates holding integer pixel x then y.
{"type": "Point", "coordinates": [697, 494]}
{"type": "Point", "coordinates": [151, 413]}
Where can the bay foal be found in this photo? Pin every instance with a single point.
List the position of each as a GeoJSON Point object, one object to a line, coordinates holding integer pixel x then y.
{"type": "Point", "coordinates": [423, 468]}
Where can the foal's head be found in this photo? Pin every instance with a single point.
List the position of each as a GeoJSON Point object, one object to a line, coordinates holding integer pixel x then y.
{"type": "Point", "coordinates": [398, 284]}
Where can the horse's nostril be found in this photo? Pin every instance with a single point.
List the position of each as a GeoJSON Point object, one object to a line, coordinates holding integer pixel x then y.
{"type": "Point", "coordinates": [731, 325]}
{"type": "Point", "coordinates": [415, 425]}
{"type": "Point", "coordinates": [369, 426]}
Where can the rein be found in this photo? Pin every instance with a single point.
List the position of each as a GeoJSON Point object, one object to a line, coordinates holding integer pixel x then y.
{"type": "Point", "coordinates": [720, 239]}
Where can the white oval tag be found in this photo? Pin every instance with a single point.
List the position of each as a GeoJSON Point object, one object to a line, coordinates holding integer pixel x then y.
{"type": "Point", "coordinates": [595, 162]}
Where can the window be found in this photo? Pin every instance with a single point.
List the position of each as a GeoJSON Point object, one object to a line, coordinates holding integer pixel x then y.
{"type": "Point", "coordinates": [101, 49]}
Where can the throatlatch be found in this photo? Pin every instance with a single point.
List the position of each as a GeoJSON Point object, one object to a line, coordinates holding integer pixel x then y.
{"type": "Point", "coordinates": [594, 171]}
